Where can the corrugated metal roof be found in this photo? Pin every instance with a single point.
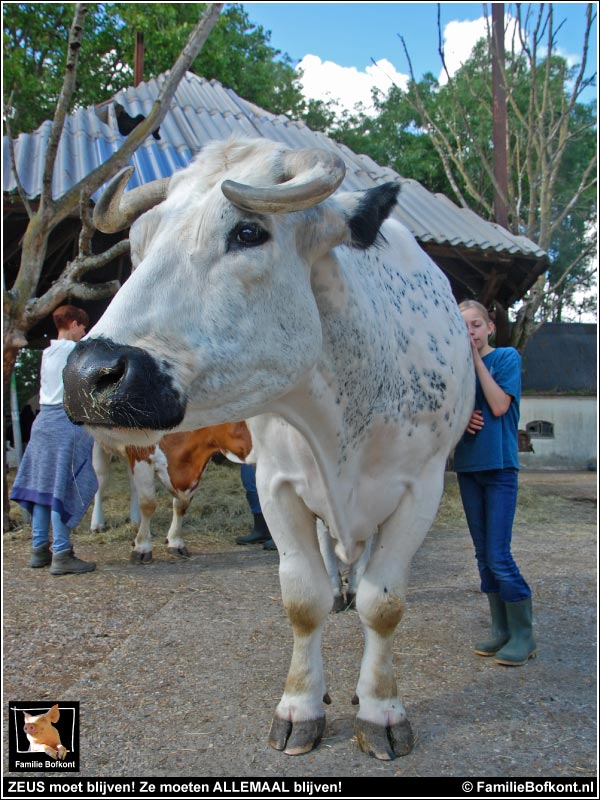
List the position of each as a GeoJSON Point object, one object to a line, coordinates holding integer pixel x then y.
{"type": "Point", "coordinates": [204, 110]}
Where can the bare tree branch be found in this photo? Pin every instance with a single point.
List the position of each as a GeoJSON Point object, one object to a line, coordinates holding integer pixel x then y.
{"type": "Point", "coordinates": [64, 99]}
{"type": "Point", "coordinates": [94, 291]}
{"type": "Point", "coordinates": [67, 284]}
{"type": "Point", "coordinates": [101, 174]}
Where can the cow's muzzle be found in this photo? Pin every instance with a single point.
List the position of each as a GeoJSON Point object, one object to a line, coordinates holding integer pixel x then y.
{"type": "Point", "coordinates": [115, 385]}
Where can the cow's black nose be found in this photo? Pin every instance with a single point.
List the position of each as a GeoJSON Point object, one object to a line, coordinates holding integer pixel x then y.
{"type": "Point", "coordinates": [120, 386]}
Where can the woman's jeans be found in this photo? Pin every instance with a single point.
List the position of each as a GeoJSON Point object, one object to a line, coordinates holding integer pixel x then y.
{"type": "Point", "coordinates": [249, 482]}
{"type": "Point", "coordinates": [490, 500]}
{"type": "Point", "coordinates": [41, 516]}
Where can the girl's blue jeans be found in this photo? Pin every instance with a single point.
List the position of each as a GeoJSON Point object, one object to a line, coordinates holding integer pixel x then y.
{"type": "Point", "coordinates": [490, 500]}
{"type": "Point", "coordinates": [41, 517]}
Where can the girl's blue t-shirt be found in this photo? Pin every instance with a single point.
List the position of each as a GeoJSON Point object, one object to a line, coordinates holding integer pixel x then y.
{"type": "Point", "coordinates": [496, 445]}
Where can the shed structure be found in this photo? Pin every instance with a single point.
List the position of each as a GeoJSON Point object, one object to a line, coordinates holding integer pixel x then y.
{"type": "Point", "coordinates": [481, 259]}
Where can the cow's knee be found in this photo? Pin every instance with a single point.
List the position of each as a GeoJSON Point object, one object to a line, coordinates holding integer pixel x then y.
{"type": "Point", "coordinates": [306, 604]}
{"type": "Point", "coordinates": [380, 608]}
{"type": "Point", "coordinates": [306, 617]}
{"type": "Point", "coordinates": [147, 506]}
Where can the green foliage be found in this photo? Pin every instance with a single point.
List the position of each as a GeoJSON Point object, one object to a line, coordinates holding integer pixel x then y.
{"type": "Point", "coordinates": [27, 372]}
{"type": "Point", "coordinates": [35, 37]}
{"type": "Point", "coordinates": [237, 54]}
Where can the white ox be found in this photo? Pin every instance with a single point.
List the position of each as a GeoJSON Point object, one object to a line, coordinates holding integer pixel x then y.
{"type": "Point", "coordinates": [258, 294]}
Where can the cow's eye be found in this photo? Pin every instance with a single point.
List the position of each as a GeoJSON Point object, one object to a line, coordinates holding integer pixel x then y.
{"type": "Point", "coordinates": [248, 234]}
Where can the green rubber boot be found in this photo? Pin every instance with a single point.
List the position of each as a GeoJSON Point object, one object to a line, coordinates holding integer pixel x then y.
{"type": "Point", "coordinates": [521, 645]}
{"type": "Point", "coordinates": [499, 634]}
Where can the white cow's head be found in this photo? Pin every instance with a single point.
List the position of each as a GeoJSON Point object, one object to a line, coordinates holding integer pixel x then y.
{"type": "Point", "coordinates": [218, 317]}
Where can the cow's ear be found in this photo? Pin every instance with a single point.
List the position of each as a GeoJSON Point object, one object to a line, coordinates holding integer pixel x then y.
{"type": "Point", "coordinates": [372, 209]}
{"type": "Point", "coordinates": [350, 218]}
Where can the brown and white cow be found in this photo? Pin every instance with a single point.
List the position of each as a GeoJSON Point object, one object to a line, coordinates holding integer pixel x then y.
{"type": "Point", "coordinates": [261, 293]}
{"type": "Point", "coordinates": [179, 460]}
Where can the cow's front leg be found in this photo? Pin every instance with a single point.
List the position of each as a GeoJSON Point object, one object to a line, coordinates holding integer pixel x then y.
{"type": "Point", "coordinates": [143, 476]}
{"type": "Point", "coordinates": [299, 719]}
{"type": "Point", "coordinates": [382, 727]}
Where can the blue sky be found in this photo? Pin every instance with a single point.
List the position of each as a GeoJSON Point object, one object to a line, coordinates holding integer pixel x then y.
{"type": "Point", "coordinates": [353, 35]}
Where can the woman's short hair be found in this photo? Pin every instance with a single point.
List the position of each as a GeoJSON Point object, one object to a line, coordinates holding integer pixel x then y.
{"type": "Point", "coordinates": [63, 316]}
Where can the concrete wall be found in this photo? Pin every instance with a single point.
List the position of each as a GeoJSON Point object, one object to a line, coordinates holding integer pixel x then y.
{"type": "Point", "coordinates": [574, 445]}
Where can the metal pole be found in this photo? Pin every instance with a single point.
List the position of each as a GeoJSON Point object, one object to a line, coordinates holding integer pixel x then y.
{"type": "Point", "coordinates": [16, 422]}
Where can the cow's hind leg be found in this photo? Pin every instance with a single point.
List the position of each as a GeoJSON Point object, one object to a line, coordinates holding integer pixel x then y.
{"type": "Point", "coordinates": [331, 565]}
{"type": "Point", "coordinates": [175, 544]}
{"type": "Point", "coordinates": [382, 728]}
{"type": "Point", "coordinates": [101, 464]}
{"type": "Point", "coordinates": [299, 719]}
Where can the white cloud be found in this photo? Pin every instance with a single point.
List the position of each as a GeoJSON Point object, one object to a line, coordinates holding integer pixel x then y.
{"type": "Point", "coordinates": [325, 80]}
{"type": "Point", "coordinates": [459, 40]}
{"type": "Point", "coordinates": [460, 37]}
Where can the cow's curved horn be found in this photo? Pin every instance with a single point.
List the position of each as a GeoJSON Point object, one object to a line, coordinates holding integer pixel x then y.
{"type": "Point", "coordinates": [116, 210]}
{"type": "Point", "coordinates": [310, 176]}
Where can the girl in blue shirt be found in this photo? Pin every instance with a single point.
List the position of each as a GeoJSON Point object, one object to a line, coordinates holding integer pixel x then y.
{"type": "Point", "coordinates": [486, 462]}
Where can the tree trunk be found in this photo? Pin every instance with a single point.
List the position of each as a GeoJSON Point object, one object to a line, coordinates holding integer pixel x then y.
{"type": "Point", "coordinates": [525, 324]}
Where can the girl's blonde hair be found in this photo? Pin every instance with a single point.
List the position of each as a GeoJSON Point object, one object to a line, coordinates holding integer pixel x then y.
{"type": "Point", "coordinates": [477, 306]}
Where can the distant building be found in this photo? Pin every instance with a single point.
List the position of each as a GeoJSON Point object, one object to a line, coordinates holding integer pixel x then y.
{"type": "Point", "coordinates": [559, 402]}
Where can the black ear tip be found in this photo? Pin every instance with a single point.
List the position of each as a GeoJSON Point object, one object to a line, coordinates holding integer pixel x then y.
{"type": "Point", "coordinates": [373, 209]}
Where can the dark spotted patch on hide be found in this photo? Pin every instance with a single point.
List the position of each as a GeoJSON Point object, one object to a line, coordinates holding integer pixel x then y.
{"type": "Point", "coordinates": [373, 209]}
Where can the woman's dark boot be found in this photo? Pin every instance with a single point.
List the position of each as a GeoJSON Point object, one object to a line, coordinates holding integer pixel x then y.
{"type": "Point", "coordinates": [500, 633]}
{"type": "Point", "coordinates": [41, 556]}
{"type": "Point", "coordinates": [260, 532]}
{"type": "Point", "coordinates": [521, 645]}
{"type": "Point", "coordinates": [66, 562]}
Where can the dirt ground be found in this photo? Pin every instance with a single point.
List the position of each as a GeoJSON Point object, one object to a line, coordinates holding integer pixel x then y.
{"type": "Point", "coordinates": [179, 665]}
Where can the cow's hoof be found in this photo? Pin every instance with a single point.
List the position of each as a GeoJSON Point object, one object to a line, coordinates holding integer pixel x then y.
{"type": "Point", "coordinates": [384, 743]}
{"type": "Point", "coordinates": [350, 600]}
{"type": "Point", "coordinates": [141, 558]}
{"type": "Point", "coordinates": [180, 552]}
{"type": "Point", "coordinates": [298, 737]}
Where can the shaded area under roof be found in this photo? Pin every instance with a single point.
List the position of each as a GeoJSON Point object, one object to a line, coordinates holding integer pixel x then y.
{"type": "Point", "coordinates": [481, 259]}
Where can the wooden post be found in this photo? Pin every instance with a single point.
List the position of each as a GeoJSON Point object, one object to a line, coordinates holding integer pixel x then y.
{"type": "Point", "coordinates": [138, 70]}
{"type": "Point", "coordinates": [499, 135]}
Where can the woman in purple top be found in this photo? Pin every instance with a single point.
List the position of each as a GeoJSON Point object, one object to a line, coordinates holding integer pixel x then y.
{"type": "Point", "coordinates": [487, 464]}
